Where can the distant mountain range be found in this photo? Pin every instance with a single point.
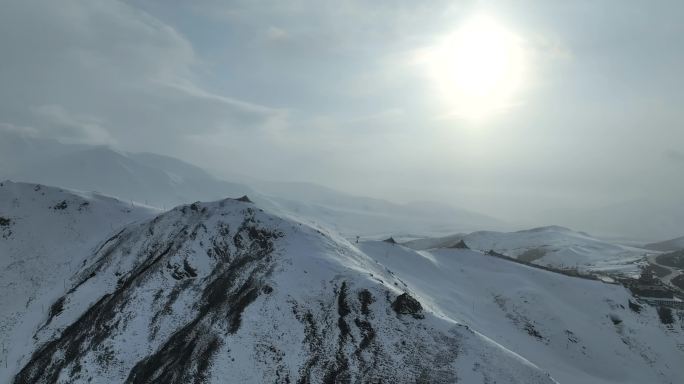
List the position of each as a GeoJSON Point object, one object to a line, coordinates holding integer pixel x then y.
{"type": "Point", "coordinates": [165, 182]}
{"type": "Point", "coordinates": [667, 245]}
{"type": "Point", "coordinates": [551, 246]}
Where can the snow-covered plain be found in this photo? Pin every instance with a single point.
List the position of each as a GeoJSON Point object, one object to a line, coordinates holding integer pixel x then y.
{"type": "Point", "coordinates": [551, 246]}
{"type": "Point", "coordinates": [227, 291]}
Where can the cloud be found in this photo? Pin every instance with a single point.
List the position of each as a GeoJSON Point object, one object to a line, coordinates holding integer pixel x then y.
{"type": "Point", "coordinates": [71, 127]}
{"type": "Point", "coordinates": [276, 34]}
{"type": "Point", "coordinates": [102, 71]}
{"type": "Point", "coordinates": [674, 156]}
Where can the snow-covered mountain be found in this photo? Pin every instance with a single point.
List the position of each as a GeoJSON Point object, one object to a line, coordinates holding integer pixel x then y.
{"type": "Point", "coordinates": [667, 245]}
{"type": "Point", "coordinates": [221, 290]}
{"type": "Point", "coordinates": [165, 182]}
{"type": "Point", "coordinates": [369, 217]}
{"type": "Point", "coordinates": [45, 235]}
{"type": "Point", "coordinates": [579, 330]}
{"type": "Point", "coordinates": [142, 178]}
{"type": "Point", "coordinates": [551, 246]}
{"type": "Point", "coordinates": [209, 292]}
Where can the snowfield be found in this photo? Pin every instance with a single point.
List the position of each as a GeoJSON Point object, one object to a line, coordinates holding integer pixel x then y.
{"type": "Point", "coordinates": [551, 246]}
{"type": "Point", "coordinates": [49, 232]}
{"type": "Point", "coordinates": [581, 331]}
{"type": "Point", "coordinates": [106, 292]}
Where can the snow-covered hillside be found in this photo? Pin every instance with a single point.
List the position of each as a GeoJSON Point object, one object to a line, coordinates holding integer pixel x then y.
{"type": "Point", "coordinates": [207, 292]}
{"type": "Point", "coordinates": [551, 246]}
{"type": "Point", "coordinates": [45, 235]}
{"type": "Point", "coordinates": [210, 291]}
{"type": "Point", "coordinates": [581, 331]}
{"type": "Point", "coordinates": [667, 245]}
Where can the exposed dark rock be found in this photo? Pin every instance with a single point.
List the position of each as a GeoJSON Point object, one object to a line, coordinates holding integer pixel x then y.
{"type": "Point", "coordinates": [532, 331]}
{"type": "Point", "coordinates": [665, 315]}
{"type": "Point", "coordinates": [405, 304]}
{"type": "Point", "coordinates": [5, 222]}
{"type": "Point", "coordinates": [615, 319]}
{"type": "Point", "coordinates": [61, 205]}
{"type": "Point", "coordinates": [494, 253]}
{"type": "Point", "coordinates": [390, 240]}
{"type": "Point", "coordinates": [83, 206]}
{"type": "Point", "coordinates": [460, 245]}
{"type": "Point", "coordinates": [342, 305]}
{"type": "Point", "coordinates": [244, 199]}
{"type": "Point", "coordinates": [366, 299]}
{"type": "Point", "coordinates": [634, 306]}
{"type": "Point", "coordinates": [367, 333]}
{"type": "Point", "coordinates": [56, 308]}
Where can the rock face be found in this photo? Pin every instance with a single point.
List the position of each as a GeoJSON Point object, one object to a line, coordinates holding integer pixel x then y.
{"type": "Point", "coordinates": [404, 304]}
{"type": "Point", "coordinates": [460, 245]}
{"type": "Point", "coordinates": [223, 291]}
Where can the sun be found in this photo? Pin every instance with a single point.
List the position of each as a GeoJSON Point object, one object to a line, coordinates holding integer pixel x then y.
{"type": "Point", "coordinates": [477, 68]}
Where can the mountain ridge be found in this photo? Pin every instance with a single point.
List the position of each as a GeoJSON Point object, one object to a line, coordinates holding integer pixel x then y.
{"type": "Point", "coordinates": [215, 276]}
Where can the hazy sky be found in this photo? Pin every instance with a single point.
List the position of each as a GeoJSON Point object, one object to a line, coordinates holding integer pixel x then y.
{"type": "Point", "coordinates": [584, 108]}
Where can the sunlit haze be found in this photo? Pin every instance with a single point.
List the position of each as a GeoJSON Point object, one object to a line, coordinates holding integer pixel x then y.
{"type": "Point", "coordinates": [477, 68]}
{"type": "Point", "coordinates": [532, 112]}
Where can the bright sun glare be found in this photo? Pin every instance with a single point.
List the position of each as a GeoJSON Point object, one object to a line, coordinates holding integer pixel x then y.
{"type": "Point", "coordinates": [477, 68]}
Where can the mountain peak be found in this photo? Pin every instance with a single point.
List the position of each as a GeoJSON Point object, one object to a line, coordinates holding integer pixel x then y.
{"type": "Point", "coordinates": [231, 290]}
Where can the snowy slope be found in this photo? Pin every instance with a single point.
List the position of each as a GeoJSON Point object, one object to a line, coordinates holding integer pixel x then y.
{"type": "Point", "coordinates": [223, 291]}
{"type": "Point", "coordinates": [47, 233]}
{"type": "Point", "coordinates": [667, 245]}
{"type": "Point", "coordinates": [549, 246]}
{"type": "Point", "coordinates": [579, 330]}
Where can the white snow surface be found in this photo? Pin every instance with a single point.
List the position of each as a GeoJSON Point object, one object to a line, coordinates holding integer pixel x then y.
{"type": "Point", "coordinates": [551, 246]}
{"type": "Point", "coordinates": [226, 290]}
{"type": "Point", "coordinates": [181, 278]}
{"type": "Point", "coordinates": [562, 324]}
{"type": "Point", "coordinates": [50, 234]}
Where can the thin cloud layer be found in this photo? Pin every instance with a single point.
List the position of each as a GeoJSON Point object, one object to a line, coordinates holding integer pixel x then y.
{"type": "Point", "coordinates": [105, 72]}
{"type": "Point", "coordinates": [329, 92]}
